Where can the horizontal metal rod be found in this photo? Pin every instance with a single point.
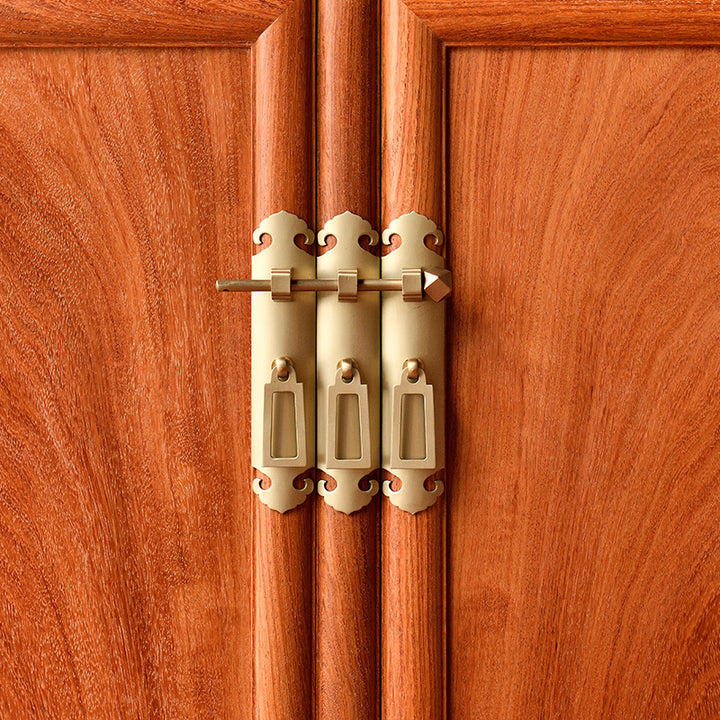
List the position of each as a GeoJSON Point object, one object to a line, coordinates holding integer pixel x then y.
{"type": "Point", "coordinates": [317, 285]}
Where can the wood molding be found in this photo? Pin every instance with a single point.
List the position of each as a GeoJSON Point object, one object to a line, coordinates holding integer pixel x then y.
{"type": "Point", "coordinates": [348, 554]}
{"type": "Point", "coordinates": [571, 22]}
{"type": "Point", "coordinates": [284, 179]}
{"type": "Point", "coordinates": [348, 77]}
{"type": "Point", "coordinates": [26, 23]}
{"type": "Point", "coordinates": [413, 546]}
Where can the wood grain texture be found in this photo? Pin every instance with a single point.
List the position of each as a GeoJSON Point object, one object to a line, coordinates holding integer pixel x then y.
{"type": "Point", "coordinates": [347, 651]}
{"type": "Point", "coordinates": [124, 530]}
{"type": "Point", "coordinates": [284, 122]}
{"type": "Point", "coordinates": [135, 22]}
{"type": "Point", "coordinates": [585, 454]}
{"type": "Point", "coordinates": [413, 546]}
{"type": "Point", "coordinates": [348, 161]}
{"type": "Point", "coordinates": [412, 116]}
{"type": "Point", "coordinates": [348, 552]}
{"type": "Point", "coordinates": [571, 22]}
{"type": "Point", "coordinates": [283, 150]}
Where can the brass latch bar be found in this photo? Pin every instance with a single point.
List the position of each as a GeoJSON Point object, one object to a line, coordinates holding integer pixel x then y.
{"type": "Point", "coordinates": [436, 284]}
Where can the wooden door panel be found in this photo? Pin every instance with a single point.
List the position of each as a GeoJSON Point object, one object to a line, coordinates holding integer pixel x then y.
{"type": "Point", "coordinates": [124, 530]}
{"type": "Point", "coordinates": [584, 364]}
{"type": "Point", "coordinates": [576, 188]}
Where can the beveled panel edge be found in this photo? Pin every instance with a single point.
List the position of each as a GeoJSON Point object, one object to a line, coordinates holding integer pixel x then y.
{"type": "Point", "coordinates": [145, 23]}
{"type": "Point", "coordinates": [570, 22]}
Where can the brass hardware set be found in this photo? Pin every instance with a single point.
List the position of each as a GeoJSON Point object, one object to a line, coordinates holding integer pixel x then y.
{"type": "Point", "coordinates": [323, 339]}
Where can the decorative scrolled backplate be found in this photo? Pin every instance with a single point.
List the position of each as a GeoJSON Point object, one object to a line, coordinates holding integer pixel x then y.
{"type": "Point", "coordinates": [413, 334]}
{"type": "Point", "coordinates": [348, 330]}
{"type": "Point", "coordinates": [283, 329]}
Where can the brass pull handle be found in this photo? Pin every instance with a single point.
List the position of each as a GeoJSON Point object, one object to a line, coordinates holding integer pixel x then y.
{"type": "Point", "coordinates": [413, 423]}
{"type": "Point", "coordinates": [284, 432]}
{"type": "Point", "coordinates": [283, 368]}
{"type": "Point", "coordinates": [368, 331]}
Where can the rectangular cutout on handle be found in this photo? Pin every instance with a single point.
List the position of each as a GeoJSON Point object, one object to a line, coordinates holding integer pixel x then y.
{"type": "Point", "coordinates": [413, 443]}
{"type": "Point", "coordinates": [283, 441]}
{"type": "Point", "coordinates": [348, 442]}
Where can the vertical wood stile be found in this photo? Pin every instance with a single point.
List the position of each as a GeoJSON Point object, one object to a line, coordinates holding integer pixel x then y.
{"type": "Point", "coordinates": [283, 544]}
{"type": "Point", "coordinates": [413, 546]}
{"type": "Point", "coordinates": [348, 179]}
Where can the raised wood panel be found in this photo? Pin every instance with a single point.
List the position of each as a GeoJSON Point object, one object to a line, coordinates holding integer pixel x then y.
{"type": "Point", "coordinates": [584, 577]}
{"type": "Point", "coordinates": [125, 515]}
{"type": "Point", "coordinates": [572, 22]}
{"type": "Point", "coordinates": [135, 22]}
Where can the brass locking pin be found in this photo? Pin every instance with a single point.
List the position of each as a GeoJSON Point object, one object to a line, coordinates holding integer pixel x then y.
{"type": "Point", "coordinates": [436, 284]}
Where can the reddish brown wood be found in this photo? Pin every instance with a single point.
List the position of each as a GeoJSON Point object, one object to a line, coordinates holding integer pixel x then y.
{"type": "Point", "coordinates": [413, 546]}
{"type": "Point", "coordinates": [571, 22]}
{"type": "Point", "coordinates": [125, 589]}
{"type": "Point", "coordinates": [470, 22]}
{"type": "Point", "coordinates": [348, 162]}
{"type": "Point", "coordinates": [137, 22]}
{"type": "Point", "coordinates": [284, 131]}
{"type": "Point", "coordinates": [585, 458]}
{"type": "Point", "coordinates": [412, 116]}
{"type": "Point", "coordinates": [348, 613]}
{"type": "Point", "coordinates": [284, 543]}
{"type": "Point", "coordinates": [348, 179]}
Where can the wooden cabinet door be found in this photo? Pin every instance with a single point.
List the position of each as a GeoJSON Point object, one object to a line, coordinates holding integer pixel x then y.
{"type": "Point", "coordinates": [126, 189]}
{"type": "Point", "coordinates": [584, 234]}
{"type": "Point", "coordinates": [571, 155]}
